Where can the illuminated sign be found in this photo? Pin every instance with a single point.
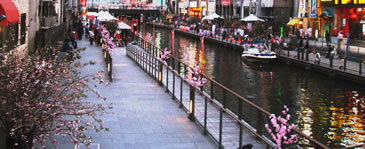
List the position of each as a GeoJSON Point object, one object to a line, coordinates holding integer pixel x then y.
{"type": "Point", "coordinates": [226, 2]}
{"type": "Point", "coordinates": [344, 2]}
{"type": "Point", "coordinates": [195, 11]}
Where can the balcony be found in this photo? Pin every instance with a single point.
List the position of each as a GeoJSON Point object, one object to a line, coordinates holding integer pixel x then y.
{"type": "Point", "coordinates": [48, 22]}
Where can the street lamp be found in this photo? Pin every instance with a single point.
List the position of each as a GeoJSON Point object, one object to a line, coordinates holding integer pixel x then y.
{"type": "Point", "coordinates": [2, 17]}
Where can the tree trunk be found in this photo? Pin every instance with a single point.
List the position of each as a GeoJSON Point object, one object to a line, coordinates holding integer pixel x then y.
{"type": "Point", "coordinates": [10, 143]}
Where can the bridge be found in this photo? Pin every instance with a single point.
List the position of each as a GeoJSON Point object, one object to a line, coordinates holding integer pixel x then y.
{"type": "Point", "coordinates": [135, 11]}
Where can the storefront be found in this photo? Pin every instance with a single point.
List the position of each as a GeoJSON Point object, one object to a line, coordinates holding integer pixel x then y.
{"type": "Point", "coordinates": [349, 17]}
{"type": "Point", "coordinates": [196, 11]}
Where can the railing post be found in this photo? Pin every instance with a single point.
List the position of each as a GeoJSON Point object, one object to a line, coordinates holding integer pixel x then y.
{"type": "Point", "coordinates": [192, 103]}
{"type": "Point", "coordinates": [288, 52]}
{"type": "Point", "coordinates": [205, 115]}
{"type": "Point", "coordinates": [302, 51]}
{"type": "Point", "coordinates": [240, 118]}
{"type": "Point", "coordinates": [259, 123]}
{"type": "Point", "coordinates": [220, 128]}
{"type": "Point", "coordinates": [211, 90]}
{"type": "Point", "coordinates": [344, 63]}
{"type": "Point", "coordinates": [307, 54]}
{"type": "Point", "coordinates": [331, 60]}
{"type": "Point", "coordinates": [360, 67]}
{"type": "Point", "coordinates": [167, 76]}
{"type": "Point", "coordinates": [173, 79]}
{"type": "Point", "coordinates": [181, 85]}
{"type": "Point", "coordinates": [298, 53]}
{"type": "Point", "coordinates": [224, 98]}
{"type": "Point", "coordinates": [160, 69]}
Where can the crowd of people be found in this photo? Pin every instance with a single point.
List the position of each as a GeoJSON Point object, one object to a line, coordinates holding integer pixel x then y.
{"type": "Point", "coordinates": [88, 28]}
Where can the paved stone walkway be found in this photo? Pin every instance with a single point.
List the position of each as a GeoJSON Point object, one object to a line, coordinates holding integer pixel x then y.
{"type": "Point", "coordinates": [338, 64]}
{"type": "Point", "coordinates": [144, 116]}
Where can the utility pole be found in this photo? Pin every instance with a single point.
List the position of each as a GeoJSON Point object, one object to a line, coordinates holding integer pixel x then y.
{"type": "Point", "coordinates": [206, 8]}
{"type": "Point", "coordinates": [242, 9]}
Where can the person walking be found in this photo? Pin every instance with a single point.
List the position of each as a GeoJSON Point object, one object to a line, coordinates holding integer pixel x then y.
{"type": "Point", "coordinates": [317, 58]}
{"type": "Point", "coordinates": [328, 38]}
{"type": "Point", "coordinates": [329, 50]}
{"type": "Point", "coordinates": [91, 37]}
{"type": "Point", "coordinates": [73, 40]}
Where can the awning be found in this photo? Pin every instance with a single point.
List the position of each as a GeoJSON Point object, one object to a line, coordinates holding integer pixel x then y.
{"type": "Point", "coordinates": [325, 14]}
{"type": "Point", "coordinates": [293, 21]}
{"type": "Point", "coordinates": [10, 11]}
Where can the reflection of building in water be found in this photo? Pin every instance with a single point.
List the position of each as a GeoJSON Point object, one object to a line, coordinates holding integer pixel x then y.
{"type": "Point", "coordinates": [305, 113]}
{"type": "Point", "coordinates": [347, 120]}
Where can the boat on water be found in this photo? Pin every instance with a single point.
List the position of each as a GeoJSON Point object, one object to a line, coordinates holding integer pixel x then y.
{"type": "Point", "coordinates": [258, 52]}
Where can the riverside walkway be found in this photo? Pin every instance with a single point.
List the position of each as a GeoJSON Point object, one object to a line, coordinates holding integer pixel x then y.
{"type": "Point", "coordinates": [143, 114]}
{"type": "Point", "coordinates": [217, 122]}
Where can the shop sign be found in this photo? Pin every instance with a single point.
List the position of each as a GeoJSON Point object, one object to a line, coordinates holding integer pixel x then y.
{"type": "Point", "coordinates": [226, 2]}
{"type": "Point", "coordinates": [301, 11]}
{"type": "Point", "coordinates": [344, 2]}
{"type": "Point", "coordinates": [313, 8]}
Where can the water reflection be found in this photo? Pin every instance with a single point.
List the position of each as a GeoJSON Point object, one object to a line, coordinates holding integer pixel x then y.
{"type": "Point", "coordinates": [326, 110]}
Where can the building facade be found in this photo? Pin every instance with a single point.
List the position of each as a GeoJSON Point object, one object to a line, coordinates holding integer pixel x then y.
{"type": "Point", "coordinates": [14, 30]}
{"type": "Point", "coordinates": [346, 16]}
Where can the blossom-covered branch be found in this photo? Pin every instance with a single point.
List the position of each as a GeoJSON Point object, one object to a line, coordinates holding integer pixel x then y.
{"type": "Point", "coordinates": [164, 55]}
{"type": "Point", "coordinates": [42, 97]}
{"type": "Point", "coordinates": [280, 130]}
{"type": "Point", "coordinates": [193, 76]}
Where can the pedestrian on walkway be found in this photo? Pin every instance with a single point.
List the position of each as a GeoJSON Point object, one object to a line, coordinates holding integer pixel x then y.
{"type": "Point", "coordinates": [328, 38]}
{"type": "Point", "coordinates": [329, 50]}
{"type": "Point", "coordinates": [317, 58]}
{"type": "Point", "coordinates": [91, 37]}
{"type": "Point", "coordinates": [73, 40]}
{"type": "Point", "coordinates": [333, 52]}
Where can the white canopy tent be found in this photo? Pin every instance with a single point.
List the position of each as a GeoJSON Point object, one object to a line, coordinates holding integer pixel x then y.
{"type": "Point", "coordinates": [122, 25]}
{"type": "Point", "coordinates": [251, 18]}
{"type": "Point", "coordinates": [212, 17]}
{"type": "Point", "coordinates": [105, 17]}
{"type": "Point", "coordinates": [92, 14]}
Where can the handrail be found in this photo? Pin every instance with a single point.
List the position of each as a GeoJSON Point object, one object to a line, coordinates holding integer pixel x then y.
{"type": "Point", "coordinates": [353, 147]}
{"type": "Point", "coordinates": [317, 143]}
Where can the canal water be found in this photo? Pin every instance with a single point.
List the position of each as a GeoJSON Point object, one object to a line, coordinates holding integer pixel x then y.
{"type": "Point", "coordinates": [330, 110]}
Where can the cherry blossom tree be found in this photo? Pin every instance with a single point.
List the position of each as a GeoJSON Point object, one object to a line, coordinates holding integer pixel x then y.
{"type": "Point", "coordinates": [42, 99]}
{"type": "Point", "coordinates": [105, 36]}
{"type": "Point", "coordinates": [164, 55]}
{"type": "Point", "coordinates": [193, 76]}
{"type": "Point", "coordinates": [280, 130]}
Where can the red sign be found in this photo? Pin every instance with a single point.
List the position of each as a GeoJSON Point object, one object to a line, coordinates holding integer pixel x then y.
{"type": "Point", "coordinates": [83, 3]}
{"type": "Point", "coordinates": [226, 2]}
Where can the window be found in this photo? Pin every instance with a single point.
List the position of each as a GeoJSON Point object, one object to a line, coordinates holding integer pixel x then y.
{"type": "Point", "coordinates": [23, 28]}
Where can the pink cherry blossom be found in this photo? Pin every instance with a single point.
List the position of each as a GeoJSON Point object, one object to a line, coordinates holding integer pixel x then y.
{"type": "Point", "coordinates": [38, 92]}
{"type": "Point", "coordinates": [281, 128]}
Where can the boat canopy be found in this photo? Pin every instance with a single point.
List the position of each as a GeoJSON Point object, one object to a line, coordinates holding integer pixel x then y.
{"type": "Point", "coordinates": [253, 42]}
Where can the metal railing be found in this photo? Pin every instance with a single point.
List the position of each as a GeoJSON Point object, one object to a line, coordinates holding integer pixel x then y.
{"type": "Point", "coordinates": [244, 112]}
{"type": "Point", "coordinates": [330, 62]}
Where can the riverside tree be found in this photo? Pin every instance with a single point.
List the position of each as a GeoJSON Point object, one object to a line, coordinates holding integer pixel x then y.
{"type": "Point", "coordinates": [42, 99]}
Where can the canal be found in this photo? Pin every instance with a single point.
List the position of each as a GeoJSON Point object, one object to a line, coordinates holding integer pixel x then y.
{"type": "Point", "coordinates": [330, 110]}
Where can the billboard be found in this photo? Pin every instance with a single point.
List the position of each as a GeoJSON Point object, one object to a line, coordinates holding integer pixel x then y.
{"type": "Point", "coordinates": [226, 2]}
{"type": "Point", "coordinates": [301, 11]}
{"type": "Point", "coordinates": [313, 8]}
